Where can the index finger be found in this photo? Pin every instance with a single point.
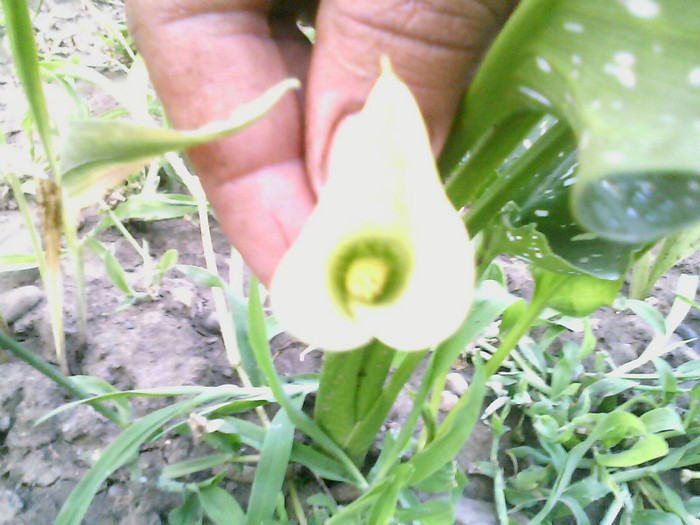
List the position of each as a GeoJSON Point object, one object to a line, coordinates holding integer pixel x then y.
{"type": "Point", "coordinates": [205, 58]}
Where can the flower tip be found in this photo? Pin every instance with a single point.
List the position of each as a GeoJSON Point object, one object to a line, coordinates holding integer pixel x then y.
{"type": "Point", "coordinates": [385, 64]}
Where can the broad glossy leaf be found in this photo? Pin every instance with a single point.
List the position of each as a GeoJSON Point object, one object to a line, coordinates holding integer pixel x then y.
{"type": "Point", "coordinates": [577, 295]}
{"type": "Point", "coordinates": [623, 76]}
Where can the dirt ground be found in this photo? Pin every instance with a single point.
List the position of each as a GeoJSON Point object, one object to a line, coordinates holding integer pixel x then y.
{"type": "Point", "coordinates": [171, 340]}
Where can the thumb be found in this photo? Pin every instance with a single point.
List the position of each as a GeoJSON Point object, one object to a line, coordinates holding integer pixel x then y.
{"type": "Point", "coordinates": [433, 45]}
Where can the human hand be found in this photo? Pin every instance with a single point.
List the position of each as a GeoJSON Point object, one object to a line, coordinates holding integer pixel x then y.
{"type": "Point", "coordinates": [206, 57]}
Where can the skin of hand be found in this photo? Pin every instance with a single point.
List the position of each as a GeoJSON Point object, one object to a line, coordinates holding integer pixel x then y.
{"type": "Point", "coordinates": [206, 57]}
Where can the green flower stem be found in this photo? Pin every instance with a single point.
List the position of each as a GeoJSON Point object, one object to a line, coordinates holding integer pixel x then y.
{"type": "Point", "coordinates": [57, 377]}
{"type": "Point", "coordinates": [365, 430]}
{"type": "Point", "coordinates": [351, 405]}
{"type": "Point", "coordinates": [373, 372]}
{"type": "Point", "coordinates": [335, 402]}
{"type": "Point", "coordinates": [525, 321]}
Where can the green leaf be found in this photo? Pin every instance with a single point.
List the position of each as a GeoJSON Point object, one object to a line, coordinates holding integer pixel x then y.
{"type": "Point", "coordinates": [644, 310]}
{"type": "Point", "coordinates": [253, 436]}
{"type": "Point", "coordinates": [167, 261]}
{"type": "Point", "coordinates": [15, 263]}
{"type": "Point", "coordinates": [257, 335]}
{"type": "Point", "coordinates": [99, 386]}
{"type": "Point", "coordinates": [116, 274]}
{"type": "Point", "coordinates": [220, 507]}
{"type": "Point", "coordinates": [191, 466]}
{"type": "Point", "coordinates": [189, 513]}
{"type": "Point", "coordinates": [101, 153]}
{"type": "Point", "coordinates": [437, 511]}
{"type": "Point", "coordinates": [122, 450]}
{"type": "Point", "coordinates": [530, 478]}
{"type": "Point", "coordinates": [526, 215]}
{"type": "Point", "coordinates": [609, 386]}
{"type": "Point", "coordinates": [655, 517]}
{"type": "Point", "coordinates": [662, 419]}
{"type": "Point", "coordinates": [672, 251]}
{"type": "Point", "coordinates": [453, 431]}
{"type": "Point", "coordinates": [384, 507]}
{"type": "Point", "coordinates": [578, 295]}
{"type": "Point", "coordinates": [624, 78]}
{"type": "Point", "coordinates": [645, 449]}
{"type": "Point", "coordinates": [443, 480]}
{"type": "Point", "coordinates": [156, 207]}
{"type": "Point", "coordinates": [272, 467]}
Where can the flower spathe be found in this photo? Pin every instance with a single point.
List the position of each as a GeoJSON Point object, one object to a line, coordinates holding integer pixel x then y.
{"type": "Point", "coordinates": [384, 254]}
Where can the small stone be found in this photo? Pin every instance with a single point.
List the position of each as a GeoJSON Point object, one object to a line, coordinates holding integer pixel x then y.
{"type": "Point", "coordinates": [5, 423]}
{"type": "Point", "coordinates": [210, 323]}
{"type": "Point", "coordinates": [10, 506]}
{"type": "Point", "coordinates": [16, 303]}
{"type": "Point", "coordinates": [474, 512]}
{"type": "Point", "coordinates": [185, 296]}
{"type": "Point", "coordinates": [456, 383]}
{"type": "Point", "coordinates": [448, 400]}
{"type": "Point", "coordinates": [141, 519]}
{"type": "Point", "coordinates": [344, 493]}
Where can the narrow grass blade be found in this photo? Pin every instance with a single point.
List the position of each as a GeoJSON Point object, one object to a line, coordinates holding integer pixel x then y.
{"type": "Point", "coordinates": [101, 153]}
{"type": "Point", "coordinates": [21, 33]}
{"type": "Point", "coordinates": [55, 375]}
{"type": "Point", "coordinates": [319, 463]}
{"type": "Point", "coordinates": [190, 466]}
{"type": "Point", "coordinates": [123, 449]}
{"type": "Point", "coordinates": [272, 467]}
{"type": "Point", "coordinates": [257, 331]}
{"type": "Point", "coordinates": [659, 345]}
{"type": "Point", "coordinates": [15, 263]}
{"type": "Point", "coordinates": [453, 432]}
{"type": "Point", "coordinates": [384, 506]}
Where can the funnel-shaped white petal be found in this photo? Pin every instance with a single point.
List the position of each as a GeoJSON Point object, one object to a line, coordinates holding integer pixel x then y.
{"type": "Point", "coordinates": [383, 205]}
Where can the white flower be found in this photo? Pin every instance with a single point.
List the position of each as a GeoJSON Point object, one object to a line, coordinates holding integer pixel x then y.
{"type": "Point", "coordinates": [384, 254]}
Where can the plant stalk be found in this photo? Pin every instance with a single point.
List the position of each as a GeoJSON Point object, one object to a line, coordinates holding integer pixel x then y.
{"type": "Point", "coordinates": [523, 324]}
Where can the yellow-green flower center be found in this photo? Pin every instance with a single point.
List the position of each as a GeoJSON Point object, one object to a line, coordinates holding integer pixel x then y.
{"type": "Point", "coordinates": [366, 278]}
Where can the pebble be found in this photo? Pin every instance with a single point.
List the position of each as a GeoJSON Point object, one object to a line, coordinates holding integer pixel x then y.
{"type": "Point", "coordinates": [184, 296]}
{"type": "Point", "coordinates": [14, 304]}
{"type": "Point", "coordinates": [448, 400]}
{"type": "Point", "coordinates": [10, 506]}
{"type": "Point", "coordinates": [456, 383]}
{"type": "Point", "coordinates": [210, 323]}
{"type": "Point", "coordinates": [474, 512]}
